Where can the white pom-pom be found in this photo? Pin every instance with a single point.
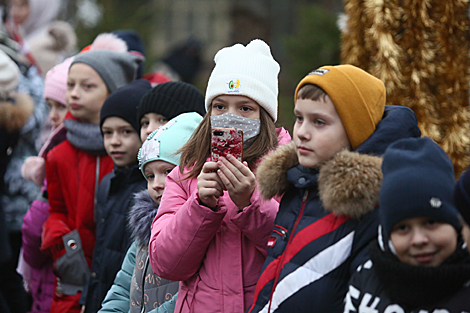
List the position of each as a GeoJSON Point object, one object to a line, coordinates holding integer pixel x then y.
{"type": "Point", "coordinates": [108, 41]}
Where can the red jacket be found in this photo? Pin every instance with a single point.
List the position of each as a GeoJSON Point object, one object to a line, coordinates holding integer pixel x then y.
{"type": "Point", "coordinates": [71, 177]}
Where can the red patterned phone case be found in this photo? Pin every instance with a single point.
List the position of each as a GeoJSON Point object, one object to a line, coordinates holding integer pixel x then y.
{"type": "Point", "coordinates": [226, 141]}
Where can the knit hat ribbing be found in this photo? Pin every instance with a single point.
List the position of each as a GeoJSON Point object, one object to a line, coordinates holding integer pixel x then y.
{"type": "Point", "coordinates": [462, 195]}
{"type": "Point", "coordinates": [359, 98]}
{"type": "Point", "coordinates": [418, 181]}
{"type": "Point", "coordinates": [163, 143]}
{"type": "Point", "coordinates": [123, 103]}
{"type": "Point", "coordinates": [171, 99]}
{"type": "Point", "coordinates": [249, 71]}
{"type": "Point", "coordinates": [55, 82]}
{"type": "Point", "coordinates": [115, 68]}
{"type": "Point", "coordinates": [9, 75]}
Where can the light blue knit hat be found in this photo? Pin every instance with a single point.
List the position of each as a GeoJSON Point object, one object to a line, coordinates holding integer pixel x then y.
{"type": "Point", "coordinates": [163, 143]}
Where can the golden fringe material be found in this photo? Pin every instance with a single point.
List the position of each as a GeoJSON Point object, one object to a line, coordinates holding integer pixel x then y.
{"type": "Point", "coordinates": [420, 50]}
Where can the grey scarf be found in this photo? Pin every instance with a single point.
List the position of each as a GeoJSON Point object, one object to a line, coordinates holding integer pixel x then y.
{"type": "Point", "coordinates": [85, 136]}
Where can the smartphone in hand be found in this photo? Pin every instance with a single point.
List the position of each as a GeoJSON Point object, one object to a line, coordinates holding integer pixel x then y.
{"type": "Point", "coordinates": [226, 141]}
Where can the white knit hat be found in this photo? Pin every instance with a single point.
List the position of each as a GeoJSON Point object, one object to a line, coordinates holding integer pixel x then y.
{"type": "Point", "coordinates": [9, 74]}
{"type": "Point", "coordinates": [246, 71]}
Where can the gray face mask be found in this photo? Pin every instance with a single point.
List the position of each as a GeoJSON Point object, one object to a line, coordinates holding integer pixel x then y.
{"type": "Point", "coordinates": [249, 126]}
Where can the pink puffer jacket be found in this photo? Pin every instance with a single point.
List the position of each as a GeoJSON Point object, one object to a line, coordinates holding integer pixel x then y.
{"type": "Point", "coordinates": [217, 256]}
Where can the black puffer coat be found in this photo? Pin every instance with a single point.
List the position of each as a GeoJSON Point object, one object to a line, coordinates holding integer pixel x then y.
{"type": "Point", "coordinates": [384, 284]}
{"type": "Point", "coordinates": [325, 222]}
{"type": "Point", "coordinates": [114, 201]}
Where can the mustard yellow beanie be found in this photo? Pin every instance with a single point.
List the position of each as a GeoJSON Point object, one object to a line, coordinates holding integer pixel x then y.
{"type": "Point", "coordinates": [359, 98]}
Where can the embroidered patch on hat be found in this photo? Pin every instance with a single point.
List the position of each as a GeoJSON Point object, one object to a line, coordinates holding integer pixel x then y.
{"type": "Point", "coordinates": [151, 147]}
{"type": "Point", "coordinates": [319, 71]}
{"type": "Point", "coordinates": [435, 202]}
{"type": "Point", "coordinates": [234, 86]}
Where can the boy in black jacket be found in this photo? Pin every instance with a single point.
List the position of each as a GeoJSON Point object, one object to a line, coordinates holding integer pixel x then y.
{"type": "Point", "coordinates": [120, 130]}
{"type": "Point", "coordinates": [419, 262]}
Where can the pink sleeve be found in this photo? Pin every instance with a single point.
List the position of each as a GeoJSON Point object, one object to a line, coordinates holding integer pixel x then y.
{"type": "Point", "coordinates": [256, 221]}
{"type": "Point", "coordinates": [181, 231]}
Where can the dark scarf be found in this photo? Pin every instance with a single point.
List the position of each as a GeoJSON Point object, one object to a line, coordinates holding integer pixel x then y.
{"type": "Point", "coordinates": [85, 136]}
{"type": "Point", "coordinates": [415, 286]}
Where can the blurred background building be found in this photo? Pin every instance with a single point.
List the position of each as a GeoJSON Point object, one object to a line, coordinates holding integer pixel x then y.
{"type": "Point", "coordinates": [182, 36]}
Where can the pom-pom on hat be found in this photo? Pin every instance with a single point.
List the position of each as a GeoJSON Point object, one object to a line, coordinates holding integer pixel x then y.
{"type": "Point", "coordinates": [249, 71]}
{"type": "Point", "coordinates": [55, 82]}
{"type": "Point", "coordinates": [462, 195]}
{"type": "Point", "coordinates": [418, 181]}
{"type": "Point", "coordinates": [123, 103]}
{"type": "Point", "coordinates": [116, 69]}
{"type": "Point", "coordinates": [359, 98]}
{"type": "Point", "coordinates": [163, 143]}
{"type": "Point", "coordinates": [9, 74]}
{"type": "Point", "coordinates": [171, 99]}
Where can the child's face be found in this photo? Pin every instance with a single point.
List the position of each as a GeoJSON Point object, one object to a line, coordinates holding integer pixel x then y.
{"type": "Point", "coordinates": [57, 112]}
{"type": "Point", "coordinates": [156, 173]}
{"type": "Point", "coordinates": [19, 10]}
{"type": "Point", "coordinates": [239, 105]}
{"type": "Point", "coordinates": [318, 132]}
{"type": "Point", "coordinates": [85, 93]}
{"type": "Point", "coordinates": [149, 122]}
{"type": "Point", "coordinates": [423, 241]}
{"type": "Point", "coordinates": [121, 141]}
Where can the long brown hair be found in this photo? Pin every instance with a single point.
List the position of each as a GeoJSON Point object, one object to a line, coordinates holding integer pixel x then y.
{"type": "Point", "coordinates": [197, 148]}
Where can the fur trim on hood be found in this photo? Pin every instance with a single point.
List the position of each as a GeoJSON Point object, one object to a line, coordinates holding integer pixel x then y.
{"type": "Point", "coordinates": [348, 184]}
{"type": "Point", "coordinates": [272, 170]}
{"type": "Point", "coordinates": [141, 217]}
{"type": "Point", "coordinates": [13, 116]}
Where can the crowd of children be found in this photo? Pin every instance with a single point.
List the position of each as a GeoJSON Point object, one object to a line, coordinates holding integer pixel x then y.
{"type": "Point", "coordinates": [356, 212]}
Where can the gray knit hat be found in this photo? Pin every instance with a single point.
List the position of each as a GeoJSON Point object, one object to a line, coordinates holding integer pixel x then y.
{"type": "Point", "coordinates": [115, 68]}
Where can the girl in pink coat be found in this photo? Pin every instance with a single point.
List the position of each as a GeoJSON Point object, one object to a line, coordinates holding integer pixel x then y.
{"type": "Point", "coordinates": [212, 227]}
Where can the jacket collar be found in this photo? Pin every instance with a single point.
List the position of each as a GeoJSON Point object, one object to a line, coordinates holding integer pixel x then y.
{"type": "Point", "coordinates": [15, 113]}
{"type": "Point", "coordinates": [348, 185]}
{"type": "Point", "coordinates": [141, 216]}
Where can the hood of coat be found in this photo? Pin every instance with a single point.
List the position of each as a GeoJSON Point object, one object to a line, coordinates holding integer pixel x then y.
{"type": "Point", "coordinates": [348, 184]}
{"type": "Point", "coordinates": [14, 114]}
{"type": "Point", "coordinates": [141, 217]}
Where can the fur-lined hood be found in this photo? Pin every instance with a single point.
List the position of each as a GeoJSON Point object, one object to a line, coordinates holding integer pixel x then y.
{"type": "Point", "coordinates": [141, 217]}
{"type": "Point", "coordinates": [14, 115]}
{"type": "Point", "coordinates": [349, 184]}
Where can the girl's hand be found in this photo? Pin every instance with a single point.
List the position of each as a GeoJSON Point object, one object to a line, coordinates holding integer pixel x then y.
{"type": "Point", "coordinates": [209, 185]}
{"type": "Point", "coordinates": [239, 180]}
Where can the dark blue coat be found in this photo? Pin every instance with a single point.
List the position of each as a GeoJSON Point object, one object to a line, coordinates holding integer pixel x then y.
{"type": "Point", "coordinates": [325, 222]}
{"type": "Point", "coordinates": [115, 199]}
{"type": "Point", "coordinates": [384, 284]}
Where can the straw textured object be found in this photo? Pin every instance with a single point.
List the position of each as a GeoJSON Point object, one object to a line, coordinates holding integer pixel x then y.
{"type": "Point", "coordinates": [420, 50]}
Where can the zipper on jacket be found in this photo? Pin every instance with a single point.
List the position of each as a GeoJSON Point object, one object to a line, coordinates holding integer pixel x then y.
{"type": "Point", "coordinates": [142, 309]}
{"type": "Point", "coordinates": [279, 266]}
